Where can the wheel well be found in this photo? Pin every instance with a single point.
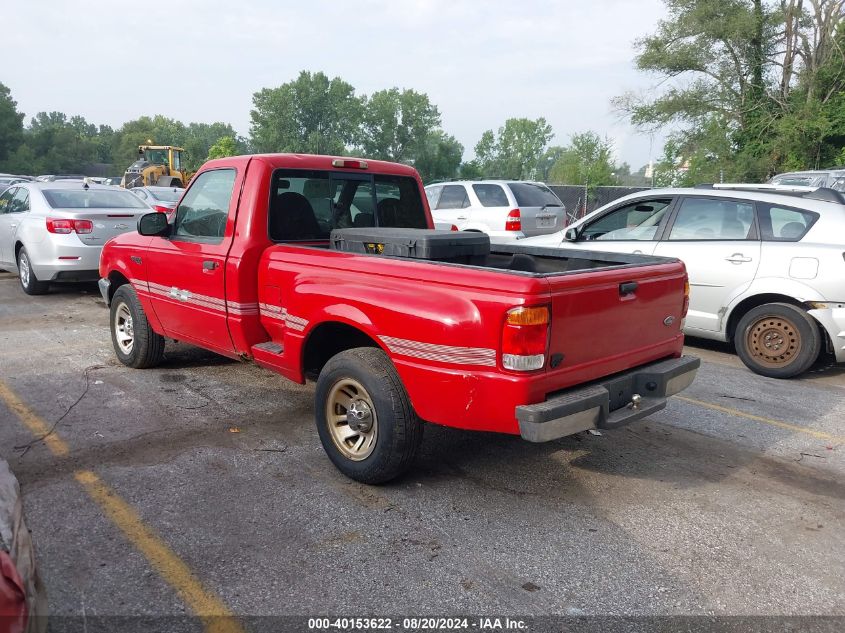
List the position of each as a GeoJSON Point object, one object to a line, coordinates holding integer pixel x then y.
{"type": "Point", "coordinates": [329, 339]}
{"type": "Point", "coordinates": [18, 247]}
{"type": "Point", "coordinates": [752, 302]}
{"type": "Point", "coordinates": [117, 280]}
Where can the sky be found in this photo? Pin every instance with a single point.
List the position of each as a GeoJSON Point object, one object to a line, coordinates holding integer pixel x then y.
{"type": "Point", "coordinates": [201, 60]}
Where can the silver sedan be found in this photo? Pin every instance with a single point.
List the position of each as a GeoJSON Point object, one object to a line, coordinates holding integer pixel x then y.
{"type": "Point", "coordinates": [54, 231]}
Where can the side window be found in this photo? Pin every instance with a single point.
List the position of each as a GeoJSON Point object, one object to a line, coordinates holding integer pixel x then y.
{"type": "Point", "coordinates": [433, 195]}
{"type": "Point", "coordinates": [638, 221]}
{"type": "Point", "coordinates": [205, 208]}
{"type": "Point", "coordinates": [6, 200]}
{"type": "Point", "coordinates": [491, 195]}
{"type": "Point", "coordinates": [453, 197]}
{"type": "Point", "coordinates": [783, 224]}
{"type": "Point", "coordinates": [20, 203]}
{"type": "Point", "coordinates": [713, 219]}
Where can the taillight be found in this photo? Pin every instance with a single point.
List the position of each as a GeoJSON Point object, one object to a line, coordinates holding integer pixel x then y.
{"type": "Point", "coordinates": [524, 338]}
{"type": "Point", "coordinates": [162, 209]}
{"type": "Point", "coordinates": [454, 228]}
{"type": "Point", "coordinates": [513, 221]}
{"type": "Point", "coordinates": [63, 227]}
{"type": "Point", "coordinates": [686, 298]}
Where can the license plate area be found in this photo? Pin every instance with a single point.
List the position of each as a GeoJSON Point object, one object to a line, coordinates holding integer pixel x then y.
{"type": "Point", "coordinates": [545, 221]}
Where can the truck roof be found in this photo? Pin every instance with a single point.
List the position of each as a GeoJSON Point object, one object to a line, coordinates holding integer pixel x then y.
{"type": "Point", "coordinates": [315, 161]}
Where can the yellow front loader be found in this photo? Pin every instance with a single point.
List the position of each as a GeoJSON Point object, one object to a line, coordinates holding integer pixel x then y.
{"type": "Point", "coordinates": [157, 165]}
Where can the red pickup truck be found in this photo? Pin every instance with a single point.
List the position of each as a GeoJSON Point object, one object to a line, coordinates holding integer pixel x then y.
{"type": "Point", "coordinates": [327, 268]}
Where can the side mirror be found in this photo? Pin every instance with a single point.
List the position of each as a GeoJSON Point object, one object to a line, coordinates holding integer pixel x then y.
{"type": "Point", "coordinates": [154, 224]}
{"type": "Point", "coordinates": [571, 235]}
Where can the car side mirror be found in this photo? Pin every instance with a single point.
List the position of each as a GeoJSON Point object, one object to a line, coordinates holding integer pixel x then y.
{"type": "Point", "coordinates": [153, 224]}
{"type": "Point", "coordinates": [571, 235]}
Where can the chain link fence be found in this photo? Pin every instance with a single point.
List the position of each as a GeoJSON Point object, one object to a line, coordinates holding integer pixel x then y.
{"type": "Point", "coordinates": [579, 201]}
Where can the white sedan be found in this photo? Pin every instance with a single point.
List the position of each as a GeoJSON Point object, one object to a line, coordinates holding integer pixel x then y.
{"type": "Point", "coordinates": [766, 267]}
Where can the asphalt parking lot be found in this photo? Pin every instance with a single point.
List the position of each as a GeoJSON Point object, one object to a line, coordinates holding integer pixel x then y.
{"type": "Point", "coordinates": [201, 486]}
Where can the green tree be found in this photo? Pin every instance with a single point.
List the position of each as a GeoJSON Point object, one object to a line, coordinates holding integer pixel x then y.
{"type": "Point", "coordinates": [11, 126]}
{"type": "Point", "coordinates": [751, 87]}
{"type": "Point", "coordinates": [225, 146]}
{"type": "Point", "coordinates": [587, 160]}
{"type": "Point", "coordinates": [438, 157]}
{"type": "Point", "coordinates": [517, 149]}
{"type": "Point", "coordinates": [312, 114]}
{"type": "Point", "coordinates": [397, 125]}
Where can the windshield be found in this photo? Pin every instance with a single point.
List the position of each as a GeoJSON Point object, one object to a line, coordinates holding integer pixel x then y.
{"type": "Point", "coordinates": [529, 194]}
{"type": "Point", "coordinates": [167, 195]}
{"type": "Point", "coordinates": [156, 156]}
{"type": "Point", "coordinates": [92, 199]}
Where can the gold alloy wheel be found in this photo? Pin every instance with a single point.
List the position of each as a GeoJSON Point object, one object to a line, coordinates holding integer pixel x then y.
{"type": "Point", "coordinates": [773, 341]}
{"type": "Point", "coordinates": [352, 420]}
{"type": "Point", "coordinates": [123, 328]}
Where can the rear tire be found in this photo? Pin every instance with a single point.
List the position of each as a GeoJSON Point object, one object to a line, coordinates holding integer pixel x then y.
{"type": "Point", "coordinates": [29, 282]}
{"type": "Point", "coordinates": [383, 441]}
{"type": "Point", "coordinates": [778, 340]}
{"type": "Point", "coordinates": [135, 343]}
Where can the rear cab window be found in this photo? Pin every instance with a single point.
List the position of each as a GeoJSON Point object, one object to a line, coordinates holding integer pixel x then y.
{"type": "Point", "coordinates": [784, 224]}
{"type": "Point", "coordinates": [306, 205]}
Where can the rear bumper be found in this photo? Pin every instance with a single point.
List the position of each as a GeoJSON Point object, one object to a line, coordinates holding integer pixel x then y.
{"type": "Point", "coordinates": [607, 403]}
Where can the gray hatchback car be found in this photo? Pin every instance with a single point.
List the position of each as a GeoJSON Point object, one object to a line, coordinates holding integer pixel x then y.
{"type": "Point", "coordinates": [54, 231]}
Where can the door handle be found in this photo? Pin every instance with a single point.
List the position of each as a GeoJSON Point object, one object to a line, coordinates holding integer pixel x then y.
{"type": "Point", "coordinates": [737, 258]}
{"type": "Point", "coordinates": [209, 264]}
{"type": "Point", "coordinates": [13, 225]}
{"type": "Point", "coordinates": [461, 217]}
{"type": "Point", "coordinates": [627, 288]}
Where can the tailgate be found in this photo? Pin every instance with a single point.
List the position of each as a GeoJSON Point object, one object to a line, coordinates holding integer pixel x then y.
{"type": "Point", "coordinates": [610, 320]}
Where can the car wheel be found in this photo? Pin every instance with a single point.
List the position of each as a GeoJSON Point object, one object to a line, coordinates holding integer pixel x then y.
{"type": "Point", "coordinates": [29, 282]}
{"type": "Point", "coordinates": [135, 343]}
{"type": "Point", "coordinates": [778, 340]}
{"type": "Point", "coordinates": [364, 417]}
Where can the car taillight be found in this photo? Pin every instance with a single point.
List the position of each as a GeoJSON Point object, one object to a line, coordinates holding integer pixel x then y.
{"type": "Point", "coordinates": [63, 227]}
{"type": "Point", "coordinates": [454, 228]}
{"type": "Point", "coordinates": [686, 299]}
{"type": "Point", "coordinates": [162, 209]}
{"type": "Point", "coordinates": [524, 338]}
{"type": "Point", "coordinates": [513, 221]}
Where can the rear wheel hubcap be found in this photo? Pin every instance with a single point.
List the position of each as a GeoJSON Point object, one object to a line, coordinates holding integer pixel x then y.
{"type": "Point", "coordinates": [773, 341]}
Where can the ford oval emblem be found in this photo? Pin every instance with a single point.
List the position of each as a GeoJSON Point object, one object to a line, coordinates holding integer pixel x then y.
{"type": "Point", "coordinates": [669, 320]}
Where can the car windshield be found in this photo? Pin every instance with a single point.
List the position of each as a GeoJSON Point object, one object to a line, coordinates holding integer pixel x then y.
{"type": "Point", "coordinates": [529, 194]}
{"type": "Point", "coordinates": [799, 181]}
{"type": "Point", "coordinates": [167, 195]}
{"type": "Point", "coordinates": [92, 199]}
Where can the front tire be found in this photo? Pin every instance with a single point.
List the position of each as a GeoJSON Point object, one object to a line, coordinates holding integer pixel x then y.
{"type": "Point", "coordinates": [135, 343]}
{"type": "Point", "coordinates": [778, 340]}
{"type": "Point", "coordinates": [364, 416]}
{"type": "Point", "coordinates": [29, 282]}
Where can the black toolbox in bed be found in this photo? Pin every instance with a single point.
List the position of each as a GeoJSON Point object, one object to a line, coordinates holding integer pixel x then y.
{"type": "Point", "coordinates": [444, 246]}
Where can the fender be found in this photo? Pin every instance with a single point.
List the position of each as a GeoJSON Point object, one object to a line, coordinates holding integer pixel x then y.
{"type": "Point", "coordinates": [113, 258]}
{"type": "Point", "coordinates": [795, 289]}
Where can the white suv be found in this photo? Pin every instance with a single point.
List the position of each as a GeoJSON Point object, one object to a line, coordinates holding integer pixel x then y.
{"type": "Point", "coordinates": [504, 209]}
{"type": "Point", "coordinates": [766, 267]}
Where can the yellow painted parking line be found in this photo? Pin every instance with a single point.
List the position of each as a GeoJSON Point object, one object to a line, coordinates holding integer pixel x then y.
{"type": "Point", "coordinates": [215, 615]}
{"type": "Point", "coordinates": [30, 420]}
{"type": "Point", "coordinates": [758, 418]}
